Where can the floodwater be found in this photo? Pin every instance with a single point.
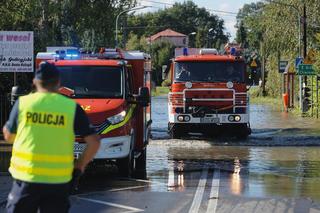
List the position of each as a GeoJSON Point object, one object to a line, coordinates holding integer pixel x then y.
{"type": "Point", "coordinates": [277, 169]}
{"type": "Point", "coordinates": [253, 168]}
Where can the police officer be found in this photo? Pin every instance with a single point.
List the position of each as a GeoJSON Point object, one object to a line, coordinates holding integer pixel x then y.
{"type": "Point", "coordinates": [42, 127]}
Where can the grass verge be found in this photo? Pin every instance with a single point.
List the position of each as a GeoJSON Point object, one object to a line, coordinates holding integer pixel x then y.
{"type": "Point", "coordinates": [158, 91]}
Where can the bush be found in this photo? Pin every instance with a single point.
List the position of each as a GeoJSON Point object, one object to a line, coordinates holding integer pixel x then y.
{"type": "Point", "coordinates": [273, 83]}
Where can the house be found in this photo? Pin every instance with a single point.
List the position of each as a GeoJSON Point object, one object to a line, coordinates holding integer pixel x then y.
{"type": "Point", "coordinates": [175, 38]}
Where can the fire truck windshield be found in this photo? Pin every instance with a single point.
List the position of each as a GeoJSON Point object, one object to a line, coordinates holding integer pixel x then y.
{"type": "Point", "coordinates": [204, 71]}
{"type": "Point", "coordinates": [92, 81]}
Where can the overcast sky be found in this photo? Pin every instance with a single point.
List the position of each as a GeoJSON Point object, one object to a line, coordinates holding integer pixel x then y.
{"type": "Point", "coordinates": [222, 5]}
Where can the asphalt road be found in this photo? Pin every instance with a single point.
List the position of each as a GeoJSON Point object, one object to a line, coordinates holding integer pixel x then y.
{"type": "Point", "coordinates": [275, 170]}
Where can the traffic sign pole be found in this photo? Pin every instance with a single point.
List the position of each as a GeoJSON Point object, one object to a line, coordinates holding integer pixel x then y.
{"type": "Point", "coordinates": [300, 92]}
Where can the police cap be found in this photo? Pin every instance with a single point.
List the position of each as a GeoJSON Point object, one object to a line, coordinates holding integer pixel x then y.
{"type": "Point", "coordinates": [47, 72]}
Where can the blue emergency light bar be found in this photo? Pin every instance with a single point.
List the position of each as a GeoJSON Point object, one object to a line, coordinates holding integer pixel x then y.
{"type": "Point", "coordinates": [67, 54]}
{"type": "Point", "coordinates": [75, 54]}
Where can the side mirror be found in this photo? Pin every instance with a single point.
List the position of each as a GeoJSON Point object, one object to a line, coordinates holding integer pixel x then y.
{"type": "Point", "coordinates": [164, 72]}
{"type": "Point", "coordinates": [143, 97]}
{"type": "Point", "coordinates": [16, 91]}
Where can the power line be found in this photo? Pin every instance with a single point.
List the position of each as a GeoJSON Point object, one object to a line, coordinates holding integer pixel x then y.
{"type": "Point", "coordinates": [169, 4]}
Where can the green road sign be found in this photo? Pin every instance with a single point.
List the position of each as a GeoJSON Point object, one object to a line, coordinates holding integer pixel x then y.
{"type": "Point", "coordinates": [306, 69]}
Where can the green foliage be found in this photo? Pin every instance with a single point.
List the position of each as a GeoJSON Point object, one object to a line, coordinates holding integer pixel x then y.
{"type": "Point", "coordinates": [274, 80]}
{"type": "Point", "coordinates": [134, 43]}
{"type": "Point", "coordinates": [275, 25]}
{"type": "Point", "coordinates": [249, 20]}
{"type": "Point", "coordinates": [242, 35]}
{"type": "Point", "coordinates": [86, 23]}
{"type": "Point", "coordinates": [161, 53]}
{"type": "Point", "coordinates": [185, 18]}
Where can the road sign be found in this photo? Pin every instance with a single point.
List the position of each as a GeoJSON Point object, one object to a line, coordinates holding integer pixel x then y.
{"type": "Point", "coordinates": [298, 61]}
{"type": "Point", "coordinates": [306, 69]}
{"type": "Point", "coordinates": [290, 68]}
{"type": "Point", "coordinates": [282, 66]}
{"type": "Point", "coordinates": [16, 51]}
{"type": "Point", "coordinates": [253, 64]}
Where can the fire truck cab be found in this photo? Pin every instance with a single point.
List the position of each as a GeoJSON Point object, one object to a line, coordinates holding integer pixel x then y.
{"type": "Point", "coordinates": [208, 94]}
{"type": "Point", "coordinates": [113, 88]}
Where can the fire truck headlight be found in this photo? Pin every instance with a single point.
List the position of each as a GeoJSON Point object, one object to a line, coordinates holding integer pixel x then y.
{"type": "Point", "coordinates": [229, 85]}
{"type": "Point", "coordinates": [187, 118]}
{"type": "Point", "coordinates": [237, 118]}
{"type": "Point", "coordinates": [231, 118]}
{"type": "Point", "coordinates": [118, 117]}
{"type": "Point", "coordinates": [180, 118]}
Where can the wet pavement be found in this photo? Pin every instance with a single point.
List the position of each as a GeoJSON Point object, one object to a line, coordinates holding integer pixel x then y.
{"type": "Point", "coordinates": [277, 169]}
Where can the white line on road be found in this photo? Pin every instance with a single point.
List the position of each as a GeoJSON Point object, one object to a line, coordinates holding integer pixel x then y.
{"type": "Point", "coordinates": [213, 198]}
{"type": "Point", "coordinates": [127, 188]}
{"type": "Point", "coordinates": [129, 208]}
{"type": "Point", "coordinates": [199, 193]}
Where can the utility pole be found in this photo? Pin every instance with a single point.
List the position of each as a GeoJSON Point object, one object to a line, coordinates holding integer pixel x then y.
{"type": "Point", "coordinates": [304, 22]}
{"type": "Point", "coordinates": [304, 19]}
{"type": "Point", "coordinates": [304, 38]}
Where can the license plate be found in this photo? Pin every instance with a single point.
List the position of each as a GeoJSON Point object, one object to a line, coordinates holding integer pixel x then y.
{"type": "Point", "coordinates": [210, 120]}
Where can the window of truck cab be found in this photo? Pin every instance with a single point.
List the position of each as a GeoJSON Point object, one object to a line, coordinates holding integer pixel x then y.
{"type": "Point", "coordinates": [209, 71]}
{"type": "Point", "coordinates": [93, 81]}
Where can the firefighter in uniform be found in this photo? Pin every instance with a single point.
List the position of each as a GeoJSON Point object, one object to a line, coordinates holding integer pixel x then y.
{"type": "Point", "coordinates": [42, 127]}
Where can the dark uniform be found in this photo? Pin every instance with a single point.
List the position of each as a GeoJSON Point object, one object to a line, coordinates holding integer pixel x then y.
{"type": "Point", "coordinates": [42, 160]}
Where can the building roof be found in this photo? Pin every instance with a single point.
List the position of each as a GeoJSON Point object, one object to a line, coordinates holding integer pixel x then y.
{"type": "Point", "coordinates": [166, 33]}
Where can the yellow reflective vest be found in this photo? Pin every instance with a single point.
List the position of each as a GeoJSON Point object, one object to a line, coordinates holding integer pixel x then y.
{"type": "Point", "coordinates": [43, 147]}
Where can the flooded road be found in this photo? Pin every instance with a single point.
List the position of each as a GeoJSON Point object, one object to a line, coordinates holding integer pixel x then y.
{"type": "Point", "coordinates": [272, 171]}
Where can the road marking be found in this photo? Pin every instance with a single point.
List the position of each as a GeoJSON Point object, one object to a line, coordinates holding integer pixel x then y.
{"type": "Point", "coordinates": [137, 180]}
{"type": "Point", "coordinates": [213, 198]}
{"type": "Point", "coordinates": [127, 188]}
{"type": "Point", "coordinates": [199, 193]}
{"type": "Point", "coordinates": [129, 208]}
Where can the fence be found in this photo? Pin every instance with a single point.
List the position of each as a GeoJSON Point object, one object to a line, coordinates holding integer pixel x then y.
{"type": "Point", "coordinates": [4, 110]}
{"type": "Point", "coordinates": [5, 148]}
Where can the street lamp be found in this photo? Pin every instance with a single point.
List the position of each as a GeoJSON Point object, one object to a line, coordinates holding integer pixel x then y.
{"type": "Point", "coordinates": [192, 33]}
{"type": "Point", "coordinates": [117, 18]}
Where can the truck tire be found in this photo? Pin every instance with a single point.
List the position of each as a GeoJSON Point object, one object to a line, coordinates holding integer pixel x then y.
{"type": "Point", "coordinates": [126, 165]}
{"type": "Point", "coordinates": [176, 132]}
{"type": "Point", "coordinates": [141, 165]}
{"type": "Point", "coordinates": [243, 132]}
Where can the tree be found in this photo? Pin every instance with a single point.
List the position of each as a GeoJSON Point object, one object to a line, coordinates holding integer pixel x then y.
{"type": "Point", "coordinates": [242, 35]}
{"type": "Point", "coordinates": [134, 43]}
{"type": "Point", "coordinates": [161, 53]}
{"type": "Point", "coordinates": [184, 17]}
{"type": "Point", "coordinates": [87, 23]}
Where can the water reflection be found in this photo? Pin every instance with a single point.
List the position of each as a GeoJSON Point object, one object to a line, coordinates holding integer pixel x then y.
{"type": "Point", "coordinates": [252, 171]}
{"type": "Point", "coordinates": [235, 179]}
{"type": "Point", "coordinates": [235, 184]}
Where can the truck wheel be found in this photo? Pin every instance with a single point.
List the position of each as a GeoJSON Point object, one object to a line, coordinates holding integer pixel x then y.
{"type": "Point", "coordinates": [175, 132]}
{"type": "Point", "coordinates": [141, 165]}
{"type": "Point", "coordinates": [126, 165]}
{"type": "Point", "coordinates": [243, 132]}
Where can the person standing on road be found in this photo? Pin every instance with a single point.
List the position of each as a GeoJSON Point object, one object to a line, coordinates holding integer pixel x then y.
{"type": "Point", "coordinates": [42, 127]}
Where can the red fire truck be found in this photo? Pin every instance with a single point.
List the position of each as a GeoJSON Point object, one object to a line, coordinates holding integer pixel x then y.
{"type": "Point", "coordinates": [208, 93]}
{"type": "Point", "coordinates": [113, 88]}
